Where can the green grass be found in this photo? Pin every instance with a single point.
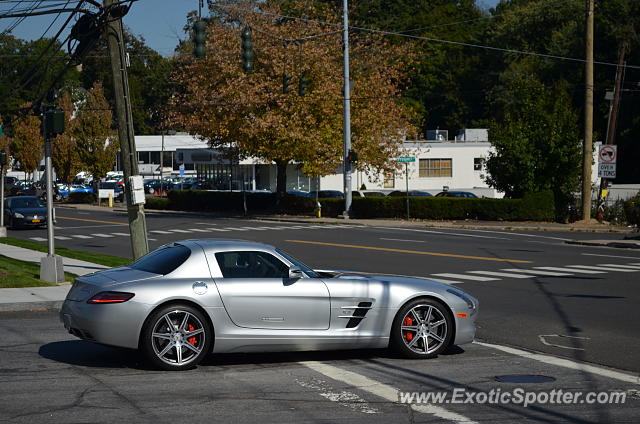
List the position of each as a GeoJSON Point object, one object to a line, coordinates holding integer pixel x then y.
{"type": "Point", "coordinates": [96, 258]}
{"type": "Point", "coordinates": [15, 273]}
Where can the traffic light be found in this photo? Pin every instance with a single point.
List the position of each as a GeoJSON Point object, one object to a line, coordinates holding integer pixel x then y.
{"type": "Point", "coordinates": [199, 29]}
{"type": "Point", "coordinates": [352, 156]}
{"type": "Point", "coordinates": [303, 84]}
{"type": "Point", "coordinates": [286, 84]}
{"type": "Point", "coordinates": [54, 122]}
{"type": "Point", "coordinates": [247, 50]}
{"type": "Point", "coordinates": [3, 158]}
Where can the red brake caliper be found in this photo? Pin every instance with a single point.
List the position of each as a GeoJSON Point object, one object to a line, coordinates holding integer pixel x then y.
{"type": "Point", "coordinates": [407, 334]}
{"type": "Point", "coordinates": [191, 340]}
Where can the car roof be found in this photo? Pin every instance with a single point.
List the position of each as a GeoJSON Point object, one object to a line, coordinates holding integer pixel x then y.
{"type": "Point", "coordinates": [220, 244]}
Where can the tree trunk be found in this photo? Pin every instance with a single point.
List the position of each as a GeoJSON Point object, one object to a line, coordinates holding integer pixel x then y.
{"type": "Point", "coordinates": [281, 179]}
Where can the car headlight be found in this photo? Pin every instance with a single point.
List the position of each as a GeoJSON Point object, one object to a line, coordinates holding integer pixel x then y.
{"type": "Point", "coordinates": [18, 215]}
{"type": "Point", "coordinates": [462, 296]}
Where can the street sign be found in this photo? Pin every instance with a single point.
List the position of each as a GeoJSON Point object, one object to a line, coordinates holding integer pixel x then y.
{"type": "Point", "coordinates": [406, 159]}
{"type": "Point", "coordinates": [608, 154]}
{"type": "Point", "coordinates": [606, 170]}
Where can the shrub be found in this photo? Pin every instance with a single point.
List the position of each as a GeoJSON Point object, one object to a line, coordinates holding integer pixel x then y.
{"type": "Point", "coordinates": [632, 210]}
{"type": "Point", "coordinates": [157, 203]}
{"type": "Point", "coordinates": [79, 197]}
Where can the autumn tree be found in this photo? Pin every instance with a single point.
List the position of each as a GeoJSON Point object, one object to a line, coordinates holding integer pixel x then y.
{"type": "Point", "coordinates": [228, 107]}
{"type": "Point", "coordinates": [27, 144]}
{"type": "Point", "coordinates": [94, 137]}
{"type": "Point", "coordinates": [64, 152]}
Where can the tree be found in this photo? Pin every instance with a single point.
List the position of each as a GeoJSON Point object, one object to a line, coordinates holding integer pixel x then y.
{"type": "Point", "coordinates": [95, 139]}
{"type": "Point", "coordinates": [27, 143]}
{"type": "Point", "coordinates": [64, 151]}
{"type": "Point", "coordinates": [228, 107]}
{"type": "Point", "coordinates": [537, 143]}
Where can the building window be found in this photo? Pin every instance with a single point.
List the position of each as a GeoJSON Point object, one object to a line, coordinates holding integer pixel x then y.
{"type": "Point", "coordinates": [155, 158]}
{"type": "Point", "coordinates": [389, 180]}
{"type": "Point", "coordinates": [143, 157]}
{"type": "Point", "coordinates": [478, 164]}
{"type": "Point", "coordinates": [435, 168]}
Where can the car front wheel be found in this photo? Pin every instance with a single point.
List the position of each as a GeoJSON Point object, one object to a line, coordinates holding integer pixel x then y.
{"type": "Point", "coordinates": [176, 337]}
{"type": "Point", "coordinates": [423, 328]}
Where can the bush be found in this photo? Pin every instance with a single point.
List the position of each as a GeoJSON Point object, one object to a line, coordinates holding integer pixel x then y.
{"type": "Point", "coordinates": [159, 203]}
{"type": "Point", "coordinates": [79, 197]}
{"type": "Point", "coordinates": [632, 210]}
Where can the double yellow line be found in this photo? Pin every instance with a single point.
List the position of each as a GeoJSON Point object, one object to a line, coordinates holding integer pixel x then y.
{"type": "Point", "coordinates": [415, 252]}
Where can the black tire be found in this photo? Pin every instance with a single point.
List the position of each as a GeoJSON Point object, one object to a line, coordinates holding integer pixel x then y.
{"type": "Point", "coordinates": [437, 331]}
{"type": "Point", "coordinates": [177, 348]}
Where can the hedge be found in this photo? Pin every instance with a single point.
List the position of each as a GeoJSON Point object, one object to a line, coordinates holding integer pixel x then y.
{"type": "Point", "coordinates": [533, 207]}
{"type": "Point", "coordinates": [81, 197]}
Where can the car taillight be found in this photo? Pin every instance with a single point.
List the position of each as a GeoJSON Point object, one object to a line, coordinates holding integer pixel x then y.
{"type": "Point", "coordinates": [110, 297]}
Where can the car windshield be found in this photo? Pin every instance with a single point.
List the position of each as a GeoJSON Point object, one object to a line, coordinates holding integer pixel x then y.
{"type": "Point", "coordinates": [26, 202]}
{"type": "Point", "coordinates": [311, 273]}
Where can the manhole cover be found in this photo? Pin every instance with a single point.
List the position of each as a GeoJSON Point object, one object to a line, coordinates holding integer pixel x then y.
{"type": "Point", "coordinates": [524, 379]}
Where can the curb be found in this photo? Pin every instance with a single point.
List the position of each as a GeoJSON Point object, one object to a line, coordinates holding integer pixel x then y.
{"type": "Point", "coordinates": [31, 306]}
{"type": "Point", "coordinates": [616, 244]}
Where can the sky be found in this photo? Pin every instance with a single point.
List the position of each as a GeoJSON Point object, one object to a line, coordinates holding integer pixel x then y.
{"type": "Point", "coordinates": [160, 22]}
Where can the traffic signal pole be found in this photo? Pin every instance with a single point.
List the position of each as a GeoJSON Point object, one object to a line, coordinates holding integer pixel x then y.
{"type": "Point", "coordinates": [347, 113]}
{"type": "Point", "coordinates": [137, 222]}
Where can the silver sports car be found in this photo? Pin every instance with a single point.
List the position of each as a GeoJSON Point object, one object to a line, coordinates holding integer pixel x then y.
{"type": "Point", "coordinates": [189, 298]}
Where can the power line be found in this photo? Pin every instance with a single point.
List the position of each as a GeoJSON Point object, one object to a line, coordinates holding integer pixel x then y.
{"type": "Point", "coordinates": [421, 38]}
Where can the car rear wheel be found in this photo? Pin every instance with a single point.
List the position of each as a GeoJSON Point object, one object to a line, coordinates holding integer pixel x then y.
{"type": "Point", "coordinates": [423, 328]}
{"type": "Point", "coordinates": [176, 337]}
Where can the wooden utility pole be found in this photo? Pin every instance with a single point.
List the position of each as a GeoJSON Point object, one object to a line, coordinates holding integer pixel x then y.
{"type": "Point", "coordinates": [587, 148]}
{"type": "Point", "coordinates": [617, 91]}
{"type": "Point", "coordinates": [137, 223]}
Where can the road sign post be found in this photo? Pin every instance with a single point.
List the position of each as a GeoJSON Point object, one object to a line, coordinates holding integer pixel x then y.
{"type": "Point", "coordinates": [406, 160]}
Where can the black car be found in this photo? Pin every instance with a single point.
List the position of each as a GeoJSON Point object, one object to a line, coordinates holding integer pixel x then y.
{"type": "Point", "coordinates": [327, 194]}
{"type": "Point", "coordinates": [466, 194]}
{"type": "Point", "coordinates": [415, 193]}
{"type": "Point", "coordinates": [25, 211]}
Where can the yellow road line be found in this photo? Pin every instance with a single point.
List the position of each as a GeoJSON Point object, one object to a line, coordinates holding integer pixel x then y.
{"type": "Point", "coordinates": [91, 220]}
{"type": "Point", "coordinates": [416, 252]}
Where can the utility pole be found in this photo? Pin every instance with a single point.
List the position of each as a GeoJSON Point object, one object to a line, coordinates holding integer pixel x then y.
{"type": "Point", "coordinates": [137, 223]}
{"type": "Point", "coordinates": [587, 148]}
{"type": "Point", "coordinates": [347, 113]}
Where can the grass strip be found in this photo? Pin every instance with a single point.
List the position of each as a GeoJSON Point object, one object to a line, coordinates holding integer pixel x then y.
{"type": "Point", "coordinates": [15, 273]}
{"type": "Point", "coordinates": [96, 258]}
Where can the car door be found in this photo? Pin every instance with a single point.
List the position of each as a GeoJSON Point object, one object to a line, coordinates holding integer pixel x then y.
{"type": "Point", "coordinates": [257, 293]}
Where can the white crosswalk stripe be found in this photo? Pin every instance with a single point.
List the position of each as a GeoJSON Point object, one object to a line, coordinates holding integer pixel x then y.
{"type": "Point", "coordinates": [502, 274]}
{"type": "Point", "coordinates": [37, 239]}
{"type": "Point", "coordinates": [440, 280]}
{"type": "Point", "coordinates": [236, 229]}
{"type": "Point", "coordinates": [579, 271]}
{"type": "Point", "coordinates": [217, 229]}
{"type": "Point", "coordinates": [81, 236]}
{"type": "Point", "coordinates": [179, 231]}
{"type": "Point", "coordinates": [103, 235]}
{"type": "Point", "coordinates": [622, 266]}
{"type": "Point", "coordinates": [601, 268]}
{"type": "Point", "coordinates": [160, 232]}
{"type": "Point", "coordinates": [199, 230]}
{"type": "Point", "coordinates": [465, 277]}
{"type": "Point", "coordinates": [121, 234]}
{"type": "Point", "coordinates": [536, 272]}
{"type": "Point", "coordinates": [62, 238]}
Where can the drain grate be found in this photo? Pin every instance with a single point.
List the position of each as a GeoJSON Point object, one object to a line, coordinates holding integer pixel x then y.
{"type": "Point", "coordinates": [524, 379]}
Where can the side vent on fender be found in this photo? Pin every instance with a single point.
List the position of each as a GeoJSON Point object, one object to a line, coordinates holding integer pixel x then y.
{"type": "Point", "coordinates": [358, 314]}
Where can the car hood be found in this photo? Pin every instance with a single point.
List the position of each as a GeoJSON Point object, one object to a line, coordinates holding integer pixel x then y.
{"type": "Point", "coordinates": [391, 278]}
{"type": "Point", "coordinates": [88, 285]}
{"type": "Point", "coordinates": [30, 211]}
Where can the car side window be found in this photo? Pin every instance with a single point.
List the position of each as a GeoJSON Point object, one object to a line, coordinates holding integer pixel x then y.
{"type": "Point", "coordinates": [251, 264]}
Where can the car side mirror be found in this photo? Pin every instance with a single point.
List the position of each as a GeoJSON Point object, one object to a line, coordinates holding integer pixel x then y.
{"type": "Point", "coordinates": [295, 272]}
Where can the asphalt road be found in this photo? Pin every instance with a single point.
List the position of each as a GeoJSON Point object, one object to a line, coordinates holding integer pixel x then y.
{"type": "Point", "coordinates": [584, 314]}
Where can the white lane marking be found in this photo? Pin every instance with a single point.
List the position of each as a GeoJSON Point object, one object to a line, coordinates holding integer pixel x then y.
{"type": "Point", "coordinates": [533, 271]}
{"type": "Point", "coordinates": [580, 271]}
{"type": "Point", "coordinates": [297, 227]}
{"type": "Point", "coordinates": [235, 229]}
{"type": "Point", "coordinates": [198, 230]}
{"type": "Point", "coordinates": [507, 232]}
{"type": "Point", "coordinates": [179, 231]}
{"type": "Point", "coordinates": [465, 277]}
{"type": "Point", "coordinates": [217, 229]}
{"type": "Point", "coordinates": [121, 234]}
{"type": "Point", "coordinates": [636, 267]}
{"type": "Point", "coordinates": [440, 280]}
{"type": "Point", "coordinates": [253, 228]}
{"type": "Point", "coordinates": [37, 238]}
{"type": "Point", "coordinates": [152, 239]}
{"type": "Point", "coordinates": [600, 268]}
{"type": "Point", "coordinates": [445, 233]}
{"type": "Point", "coordinates": [62, 238]}
{"type": "Point", "coordinates": [81, 236]}
{"type": "Point", "coordinates": [103, 235]}
{"type": "Point", "coordinates": [414, 241]}
{"type": "Point", "coordinates": [502, 274]}
{"type": "Point", "coordinates": [611, 256]}
{"type": "Point", "coordinates": [543, 339]}
{"type": "Point", "coordinates": [382, 390]}
{"type": "Point", "coordinates": [566, 363]}
{"type": "Point", "coordinates": [160, 232]}
{"type": "Point", "coordinates": [344, 398]}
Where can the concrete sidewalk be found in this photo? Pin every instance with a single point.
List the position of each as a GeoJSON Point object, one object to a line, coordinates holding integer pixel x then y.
{"type": "Point", "coordinates": [28, 298]}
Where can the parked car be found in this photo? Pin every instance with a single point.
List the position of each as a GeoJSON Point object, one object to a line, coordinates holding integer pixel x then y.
{"type": "Point", "coordinates": [457, 194]}
{"type": "Point", "coordinates": [412, 193]}
{"type": "Point", "coordinates": [373, 194]}
{"type": "Point", "coordinates": [299, 193]}
{"type": "Point", "coordinates": [118, 190]}
{"type": "Point", "coordinates": [78, 188]}
{"type": "Point", "coordinates": [25, 211]}
{"type": "Point", "coordinates": [327, 194]}
{"type": "Point", "coordinates": [259, 298]}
